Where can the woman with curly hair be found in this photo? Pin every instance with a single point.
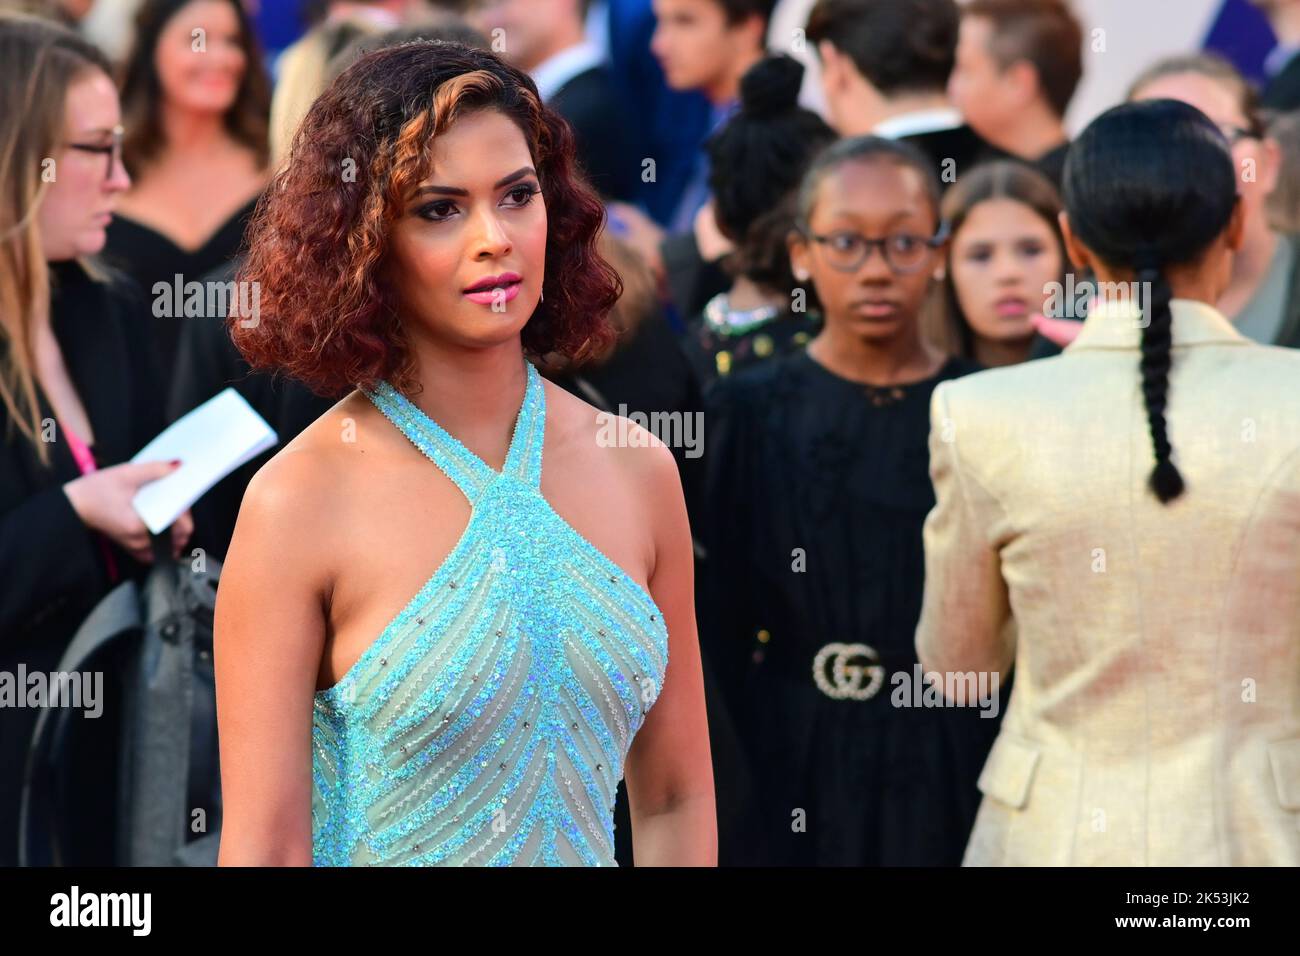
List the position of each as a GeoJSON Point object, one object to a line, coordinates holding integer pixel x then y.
{"type": "Point", "coordinates": [450, 664]}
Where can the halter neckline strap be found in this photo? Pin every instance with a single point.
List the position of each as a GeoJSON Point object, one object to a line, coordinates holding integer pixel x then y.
{"type": "Point", "coordinates": [467, 470]}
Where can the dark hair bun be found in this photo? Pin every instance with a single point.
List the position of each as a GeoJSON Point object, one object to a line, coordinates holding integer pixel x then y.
{"type": "Point", "coordinates": [771, 86]}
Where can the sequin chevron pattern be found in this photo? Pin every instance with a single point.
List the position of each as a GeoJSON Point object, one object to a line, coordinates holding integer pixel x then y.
{"type": "Point", "coordinates": [489, 722]}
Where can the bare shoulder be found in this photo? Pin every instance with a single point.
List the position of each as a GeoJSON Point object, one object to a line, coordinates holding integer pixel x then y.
{"type": "Point", "coordinates": [607, 440]}
{"type": "Point", "coordinates": [309, 484]}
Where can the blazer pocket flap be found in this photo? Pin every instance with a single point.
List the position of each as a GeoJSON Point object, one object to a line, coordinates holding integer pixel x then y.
{"type": "Point", "coordinates": [1009, 771]}
{"type": "Point", "coordinates": [1284, 755]}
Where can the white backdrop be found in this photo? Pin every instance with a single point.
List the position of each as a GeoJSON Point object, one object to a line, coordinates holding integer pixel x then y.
{"type": "Point", "coordinates": [1137, 32]}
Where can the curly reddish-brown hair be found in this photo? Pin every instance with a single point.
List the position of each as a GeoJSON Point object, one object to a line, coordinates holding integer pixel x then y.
{"type": "Point", "coordinates": [319, 237]}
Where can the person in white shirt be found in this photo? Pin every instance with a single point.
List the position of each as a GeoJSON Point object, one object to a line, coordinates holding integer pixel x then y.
{"type": "Point", "coordinates": [885, 66]}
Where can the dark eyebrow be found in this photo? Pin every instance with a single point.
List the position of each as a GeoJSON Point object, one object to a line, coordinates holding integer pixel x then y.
{"type": "Point", "coordinates": [456, 191]}
{"type": "Point", "coordinates": [890, 223]}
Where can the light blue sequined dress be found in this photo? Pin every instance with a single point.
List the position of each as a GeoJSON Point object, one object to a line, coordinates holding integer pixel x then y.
{"type": "Point", "coordinates": [489, 721]}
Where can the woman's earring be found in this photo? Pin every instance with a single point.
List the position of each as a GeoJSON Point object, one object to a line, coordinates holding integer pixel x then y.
{"type": "Point", "coordinates": [801, 275]}
{"type": "Point", "coordinates": [543, 296]}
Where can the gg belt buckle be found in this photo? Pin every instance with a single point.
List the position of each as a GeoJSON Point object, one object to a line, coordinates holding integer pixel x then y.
{"type": "Point", "coordinates": [848, 671]}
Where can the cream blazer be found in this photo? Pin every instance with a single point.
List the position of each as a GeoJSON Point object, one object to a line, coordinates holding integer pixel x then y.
{"type": "Point", "coordinates": [1155, 715]}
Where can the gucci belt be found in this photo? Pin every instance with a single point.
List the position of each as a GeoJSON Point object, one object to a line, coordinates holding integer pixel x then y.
{"type": "Point", "coordinates": [854, 671]}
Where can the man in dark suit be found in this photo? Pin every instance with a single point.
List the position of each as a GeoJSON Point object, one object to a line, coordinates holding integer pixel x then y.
{"type": "Point", "coordinates": [547, 38]}
{"type": "Point", "coordinates": [1283, 65]}
{"type": "Point", "coordinates": [885, 69]}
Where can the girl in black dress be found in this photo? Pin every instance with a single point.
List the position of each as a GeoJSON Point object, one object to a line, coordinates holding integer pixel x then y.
{"type": "Point", "coordinates": [817, 491]}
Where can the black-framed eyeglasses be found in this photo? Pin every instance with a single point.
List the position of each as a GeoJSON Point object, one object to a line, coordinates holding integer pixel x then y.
{"type": "Point", "coordinates": [904, 252]}
{"type": "Point", "coordinates": [112, 150]}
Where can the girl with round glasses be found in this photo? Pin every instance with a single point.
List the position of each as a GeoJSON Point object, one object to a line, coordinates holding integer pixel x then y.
{"type": "Point", "coordinates": [818, 489]}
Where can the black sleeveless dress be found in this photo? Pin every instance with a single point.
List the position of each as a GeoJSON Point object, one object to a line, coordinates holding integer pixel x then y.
{"type": "Point", "coordinates": [149, 257]}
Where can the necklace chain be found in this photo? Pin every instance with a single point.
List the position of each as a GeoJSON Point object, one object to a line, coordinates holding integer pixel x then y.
{"type": "Point", "coordinates": [724, 320]}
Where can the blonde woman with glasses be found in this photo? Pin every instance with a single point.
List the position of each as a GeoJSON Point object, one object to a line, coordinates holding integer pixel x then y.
{"type": "Point", "coordinates": [77, 388]}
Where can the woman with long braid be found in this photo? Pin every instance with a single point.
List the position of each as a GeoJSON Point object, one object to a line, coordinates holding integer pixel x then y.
{"type": "Point", "coordinates": [1122, 523]}
{"type": "Point", "coordinates": [1157, 344]}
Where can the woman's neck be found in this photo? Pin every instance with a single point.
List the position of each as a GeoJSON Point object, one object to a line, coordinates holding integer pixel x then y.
{"type": "Point", "coordinates": [726, 87]}
{"type": "Point", "coordinates": [190, 132]}
{"type": "Point", "coordinates": [1250, 266]}
{"type": "Point", "coordinates": [899, 360]}
{"type": "Point", "coordinates": [474, 394]}
{"type": "Point", "coordinates": [995, 353]}
{"type": "Point", "coordinates": [1195, 281]}
{"type": "Point", "coordinates": [1031, 135]}
{"type": "Point", "coordinates": [747, 294]}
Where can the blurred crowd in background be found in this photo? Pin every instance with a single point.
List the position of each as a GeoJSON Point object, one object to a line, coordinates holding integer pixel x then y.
{"type": "Point", "coordinates": [698, 122]}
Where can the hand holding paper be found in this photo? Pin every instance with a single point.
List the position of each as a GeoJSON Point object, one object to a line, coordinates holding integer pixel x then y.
{"type": "Point", "coordinates": [102, 500]}
{"type": "Point", "coordinates": [212, 441]}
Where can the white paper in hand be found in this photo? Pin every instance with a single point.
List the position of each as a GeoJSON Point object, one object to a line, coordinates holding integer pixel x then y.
{"type": "Point", "coordinates": [211, 442]}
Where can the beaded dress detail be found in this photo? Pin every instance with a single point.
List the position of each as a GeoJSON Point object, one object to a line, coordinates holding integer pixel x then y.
{"type": "Point", "coordinates": [489, 721]}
